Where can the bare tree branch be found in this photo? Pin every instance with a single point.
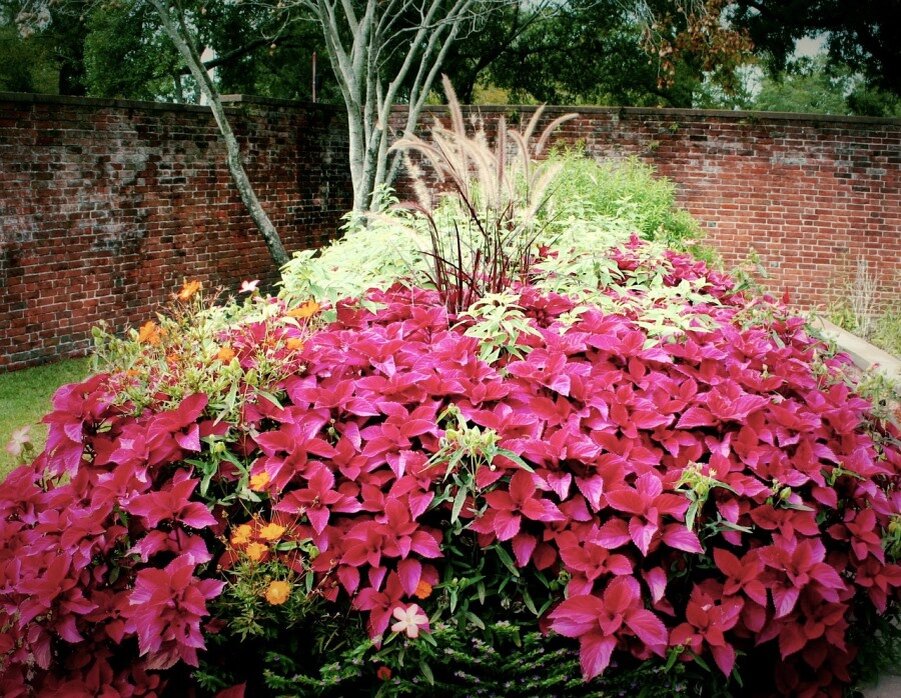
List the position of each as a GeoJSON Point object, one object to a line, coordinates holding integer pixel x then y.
{"type": "Point", "coordinates": [381, 51]}
{"type": "Point", "coordinates": [177, 30]}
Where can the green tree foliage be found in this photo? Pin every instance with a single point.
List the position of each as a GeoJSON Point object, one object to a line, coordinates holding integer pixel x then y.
{"type": "Point", "coordinates": [48, 61]}
{"type": "Point", "coordinates": [810, 84]}
{"type": "Point", "coordinates": [580, 52]}
{"type": "Point", "coordinates": [818, 86]}
{"type": "Point", "coordinates": [25, 67]}
{"type": "Point", "coordinates": [862, 33]}
{"type": "Point", "coordinates": [594, 52]}
{"type": "Point", "coordinates": [109, 48]}
{"type": "Point", "coordinates": [128, 55]}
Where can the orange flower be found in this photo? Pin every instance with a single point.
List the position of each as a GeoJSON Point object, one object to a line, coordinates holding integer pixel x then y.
{"type": "Point", "coordinates": [383, 673]}
{"type": "Point", "coordinates": [188, 290]}
{"type": "Point", "coordinates": [149, 333]}
{"type": "Point", "coordinates": [278, 592]}
{"type": "Point", "coordinates": [132, 373]}
{"type": "Point", "coordinates": [423, 590]}
{"type": "Point", "coordinates": [308, 309]}
{"type": "Point", "coordinates": [259, 481]}
{"type": "Point", "coordinates": [225, 354]}
{"type": "Point", "coordinates": [172, 357]}
{"type": "Point", "coordinates": [294, 344]}
{"type": "Point", "coordinates": [271, 531]}
{"type": "Point", "coordinates": [255, 551]}
{"type": "Point", "coordinates": [241, 535]}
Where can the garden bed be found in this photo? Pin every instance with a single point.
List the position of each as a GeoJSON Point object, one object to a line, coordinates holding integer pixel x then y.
{"type": "Point", "coordinates": [550, 460]}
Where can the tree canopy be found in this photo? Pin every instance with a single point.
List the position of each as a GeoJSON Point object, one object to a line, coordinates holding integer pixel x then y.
{"type": "Point", "coordinates": [862, 34]}
{"type": "Point", "coordinates": [635, 52]}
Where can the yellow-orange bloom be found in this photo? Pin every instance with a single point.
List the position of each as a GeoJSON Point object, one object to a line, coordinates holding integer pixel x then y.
{"type": "Point", "coordinates": [271, 531]}
{"type": "Point", "coordinates": [188, 290]}
{"type": "Point", "coordinates": [241, 535]}
{"type": "Point", "coordinates": [278, 592]}
{"type": "Point", "coordinates": [259, 481]}
{"type": "Point", "coordinates": [225, 354]}
{"type": "Point", "coordinates": [423, 590]}
{"type": "Point", "coordinates": [255, 551]}
{"type": "Point", "coordinates": [149, 333]}
{"type": "Point", "coordinates": [308, 309]}
{"type": "Point", "coordinates": [294, 344]}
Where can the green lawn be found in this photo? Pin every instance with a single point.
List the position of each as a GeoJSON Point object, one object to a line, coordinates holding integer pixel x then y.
{"type": "Point", "coordinates": [25, 398]}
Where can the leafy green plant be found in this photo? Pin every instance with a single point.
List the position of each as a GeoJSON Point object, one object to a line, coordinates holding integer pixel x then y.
{"type": "Point", "coordinates": [626, 190]}
{"type": "Point", "coordinates": [201, 346]}
{"type": "Point", "coordinates": [497, 322]}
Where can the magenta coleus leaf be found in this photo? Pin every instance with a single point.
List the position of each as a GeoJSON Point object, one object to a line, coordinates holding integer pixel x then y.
{"type": "Point", "coordinates": [172, 503]}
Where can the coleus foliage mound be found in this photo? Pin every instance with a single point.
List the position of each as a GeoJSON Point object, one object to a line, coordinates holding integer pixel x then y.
{"type": "Point", "coordinates": [716, 496]}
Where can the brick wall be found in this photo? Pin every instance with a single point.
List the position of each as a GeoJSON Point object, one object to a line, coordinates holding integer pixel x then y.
{"type": "Point", "coordinates": [808, 195]}
{"type": "Point", "coordinates": [106, 206]}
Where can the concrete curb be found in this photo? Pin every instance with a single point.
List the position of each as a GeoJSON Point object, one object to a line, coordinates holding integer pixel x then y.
{"type": "Point", "coordinates": [862, 353]}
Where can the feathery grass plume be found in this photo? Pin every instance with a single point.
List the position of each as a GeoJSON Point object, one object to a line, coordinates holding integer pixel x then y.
{"type": "Point", "coordinates": [486, 244]}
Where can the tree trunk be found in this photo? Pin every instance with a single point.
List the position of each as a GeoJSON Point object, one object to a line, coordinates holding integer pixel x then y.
{"type": "Point", "coordinates": [178, 32]}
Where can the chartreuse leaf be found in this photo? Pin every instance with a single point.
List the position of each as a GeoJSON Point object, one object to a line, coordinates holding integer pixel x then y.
{"type": "Point", "coordinates": [459, 501]}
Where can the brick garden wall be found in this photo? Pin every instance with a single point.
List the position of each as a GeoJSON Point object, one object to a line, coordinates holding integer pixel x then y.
{"type": "Point", "coordinates": [105, 206]}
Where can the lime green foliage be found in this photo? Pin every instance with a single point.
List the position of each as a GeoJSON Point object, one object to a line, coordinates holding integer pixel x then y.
{"type": "Point", "coordinates": [25, 398]}
{"type": "Point", "coordinates": [883, 392]}
{"type": "Point", "coordinates": [590, 210]}
{"type": "Point", "coordinates": [582, 268]}
{"type": "Point", "coordinates": [497, 322]}
{"type": "Point", "coordinates": [389, 249]}
{"type": "Point", "coordinates": [624, 190]}
{"type": "Point", "coordinates": [395, 248]}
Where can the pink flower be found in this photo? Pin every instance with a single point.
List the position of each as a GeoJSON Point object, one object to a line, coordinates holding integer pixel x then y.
{"type": "Point", "coordinates": [20, 439]}
{"type": "Point", "coordinates": [249, 286]}
{"type": "Point", "coordinates": [409, 620]}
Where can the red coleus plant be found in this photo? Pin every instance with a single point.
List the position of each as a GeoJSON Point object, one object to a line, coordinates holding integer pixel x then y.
{"type": "Point", "coordinates": [110, 553]}
{"type": "Point", "coordinates": [710, 495]}
{"type": "Point", "coordinates": [709, 615]}
{"type": "Point", "coordinates": [600, 622]}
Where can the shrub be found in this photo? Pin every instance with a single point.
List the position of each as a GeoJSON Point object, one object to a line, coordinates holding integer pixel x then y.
{"type": "Point", "coordinates": [624, 190]}
{"type": "Point", "coordinates": [682, 507]}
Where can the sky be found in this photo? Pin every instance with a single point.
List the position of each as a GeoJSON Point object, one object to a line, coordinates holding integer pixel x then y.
{"type": "Point", "coordinates": [810, 45]}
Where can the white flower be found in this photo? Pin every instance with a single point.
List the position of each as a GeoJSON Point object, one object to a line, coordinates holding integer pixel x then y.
{"type": "Point", "coordinates": [20, 438]}
{"type": "Point", "coordinates": [249, 286]}
{"type": "Point", "coordinates": [410, 620]}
